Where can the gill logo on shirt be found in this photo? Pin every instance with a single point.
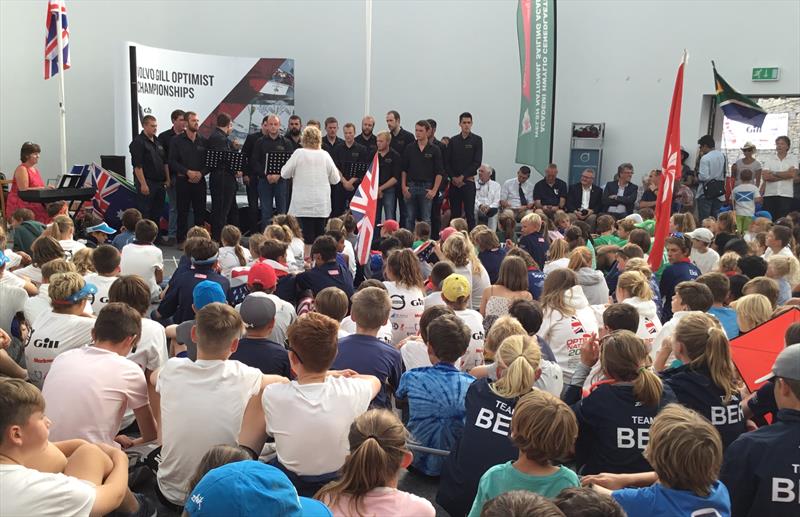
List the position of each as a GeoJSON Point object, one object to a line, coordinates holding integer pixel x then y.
{"type": "Point", "coordinates": [45, 343]}
{"type": "Point", "coordinates": [104, 299]}
{"type": "Point", "coordinates": [477, 336]}
{"type": "Point", "coordinates": [398, 302]}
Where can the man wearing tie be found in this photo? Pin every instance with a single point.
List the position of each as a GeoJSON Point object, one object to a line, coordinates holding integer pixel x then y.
{"type": "Point", "coordinates": [517, 194]}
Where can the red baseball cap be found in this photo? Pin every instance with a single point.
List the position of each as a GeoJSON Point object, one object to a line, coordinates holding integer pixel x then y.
{"type": "Point", "coordinates": [390, 225]}
{"type": "Point", "coordinates": [262, 273]}
{"type": "Point", "coordinates": [446, 232]}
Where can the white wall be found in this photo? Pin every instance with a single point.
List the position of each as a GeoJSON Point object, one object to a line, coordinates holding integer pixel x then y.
{"type": "Point", "coordinates": [616, 64]}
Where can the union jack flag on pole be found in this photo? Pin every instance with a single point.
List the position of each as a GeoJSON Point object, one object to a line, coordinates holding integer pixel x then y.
{"type": "Point", "coordinates": [51, 44]}
{"type": "Point", "coordinates": [364, 206]}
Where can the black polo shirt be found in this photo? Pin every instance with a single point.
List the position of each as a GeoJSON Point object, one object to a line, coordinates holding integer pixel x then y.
{"type": "Point", "coordinates": [370, 143]}
{"type": "Point", "coordinates": [422, 165]}
{"type": "Point", "coordinates": [401, 140]}
{"type": "Point", "coordinates": [328, 146]}
{"type": "Point", "coordinates": [165, 137]}
{"type": "Point", "coordinates": [464, 156]}
{"type": "Point", "coordinates": [149, 156]}
{"type": "Point", "coordinates": [343, 155]}
{"type": "Point", "coordinates": [549, 195]}
{"type": "Point", "coordinates": [265, 145]}
{"type": "Point", "coordinates": [248, 147]}
{"type": "Point", "coordinates": [390, 166]}
{"type": "Point", "coordinates": [185, 154]}
{"type": "Point", "coordinates": [295, 145]}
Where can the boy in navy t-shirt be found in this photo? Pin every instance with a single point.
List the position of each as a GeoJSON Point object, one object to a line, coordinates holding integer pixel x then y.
{"type": "Point", "coordinates": [680, 269]}
{"type": "Point", "coordinates": [532, 238]}
{"type": "Point", "coordinates": [364, 352]}
{"type": "Point", "coordinates": [256, 349]}
{"type": "Point", "coordinates": [327, 272]}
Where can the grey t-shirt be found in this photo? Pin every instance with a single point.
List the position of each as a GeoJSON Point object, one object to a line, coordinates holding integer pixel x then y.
{"type": "Point", "coordinates": [183, 335]}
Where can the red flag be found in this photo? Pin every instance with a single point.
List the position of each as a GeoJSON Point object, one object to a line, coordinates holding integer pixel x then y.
{"type": "Point", "coordinates": [669, 164]}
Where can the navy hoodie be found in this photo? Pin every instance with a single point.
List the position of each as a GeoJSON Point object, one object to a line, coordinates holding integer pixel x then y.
{"type": "Point", "coordinates": [672, 276]}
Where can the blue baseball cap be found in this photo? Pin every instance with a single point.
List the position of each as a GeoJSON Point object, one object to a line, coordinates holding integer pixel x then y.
{"type": "Point", "coordinates": [102, 227]}
{"type": "Point", "coordinates": [250, 488]}
{"type": "Point", "coordinates": [4, 259]}
{"type": "Point", "coordinates": [762, 213]}
{"type": "Point", "coordinates": [207, 292]}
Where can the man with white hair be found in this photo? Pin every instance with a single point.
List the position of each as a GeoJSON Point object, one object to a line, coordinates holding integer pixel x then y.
{"type": "Point", "coordinates": [487, 197]}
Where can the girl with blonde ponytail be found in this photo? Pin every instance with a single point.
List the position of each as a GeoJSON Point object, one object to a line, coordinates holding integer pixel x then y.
{"type": "Point", "coordinates": [368, 484]}
{"type": "Point", "coordinates": [633, 288]}
{"type": "Point", "coordinates": [614, 420]}
{"type": "Point", "coordinates": [489, 405]}
{"type": "Point", "coordinates": [707, 380]}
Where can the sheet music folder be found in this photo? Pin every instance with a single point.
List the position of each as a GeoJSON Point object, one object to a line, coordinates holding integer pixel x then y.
{"type": "Point", "coordinates": [231, 161]}
{"type": "Point", "coordinates": [275, 162]}
{"type": "Point", "coordinates": [355, 169]}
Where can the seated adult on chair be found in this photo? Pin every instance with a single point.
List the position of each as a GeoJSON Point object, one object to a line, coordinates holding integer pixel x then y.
{"type": "Point", "coordinates": [487, 197]}
{"type": "Point", "coordinates": [585, 199]}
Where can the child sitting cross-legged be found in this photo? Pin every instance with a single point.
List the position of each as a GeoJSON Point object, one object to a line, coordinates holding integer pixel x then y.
{"type": "Point", "coordinates": [73, 477]}
{"type": "Point", "coordinates": [228, 389]}
{"type": "Point", "coordinates": [544, 430]}
{"type": "Point", "coordinates": [685, 452]}
{"type": "Point", "coordinates": [89, 388]}
{"type": "Point", "coordinates": [309, 416]}
{"type": "Point", "coordinates": [368, 485]}
{"type": "Point", "coordinates": [456, 295]}
{"type": "Point", "coordinates": [363, 351]}
{"type": "Point", "coordinates": [436, 393]}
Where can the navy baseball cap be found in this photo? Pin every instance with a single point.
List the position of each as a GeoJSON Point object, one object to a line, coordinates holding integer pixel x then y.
{"type": "Point", "coordinates": [207, 292]}
{"type": "Point", "coordinates": [250, 488]}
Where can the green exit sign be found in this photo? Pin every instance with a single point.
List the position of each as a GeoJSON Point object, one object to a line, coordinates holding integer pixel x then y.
{"type": "Point", "coordinates": [766, 74]}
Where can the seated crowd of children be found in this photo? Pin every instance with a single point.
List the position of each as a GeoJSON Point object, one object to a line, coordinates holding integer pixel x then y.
{"type": "Point", "coordinates": [552, 372]}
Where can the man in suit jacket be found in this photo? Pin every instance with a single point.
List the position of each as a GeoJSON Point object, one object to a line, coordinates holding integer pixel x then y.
{"type": "Point", "coordinates": [619, 195]}
{"type": "Point", "coordinates": [585, 199]}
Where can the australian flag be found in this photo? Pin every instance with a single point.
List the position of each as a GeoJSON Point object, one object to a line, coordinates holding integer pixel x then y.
{"type": "Point", "coordinates": [55, 8]}
{"type": "Point", "coordinates": [364, 207]}
{"type": "Point", "coordinates": [114, 195]}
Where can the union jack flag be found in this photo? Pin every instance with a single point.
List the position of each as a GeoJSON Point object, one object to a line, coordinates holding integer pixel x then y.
{"type": "Point", "coordinates": [113, 196]}
{"type": "Point", "coordinates": [54, 7]}
{"type": "Point", "coordinates": [577, 326]}
{"type": "Point", "coordinates": [364, 206]}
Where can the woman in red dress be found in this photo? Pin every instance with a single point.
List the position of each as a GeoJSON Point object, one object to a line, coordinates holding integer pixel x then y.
{"type": "Point", "coordinates": [26, 177]}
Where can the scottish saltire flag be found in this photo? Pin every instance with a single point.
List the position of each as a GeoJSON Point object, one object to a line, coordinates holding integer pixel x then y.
{"type": "Point", "coordinates": [114, 195]}
{"type": "Point", "coordinates": [736, 106]}
{"type": "Point", "coordinates": [364, 206]}
{"type": "Point", "coordinates": [670, 164]}
{"type": "Point", "coordinates": [55, 8]}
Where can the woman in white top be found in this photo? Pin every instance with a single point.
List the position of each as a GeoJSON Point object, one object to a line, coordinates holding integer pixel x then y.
{"type": "Point", "coordinates": [512, 285]}
{"type": "Point", "coordinates": [311, 169]}
{"type": "Point", "coordinates": [63, 328]}
{"type": "Point", "coordinates": [407, 291]}
{"type": "Point", "coordinates": [63, 230]}
{"type": "Point", "coordinates": [231, 253]}
{"type": "Point", "coordinates": [557, 256]}
{"type": "Point", "coordinates": [459, 250]}
{"type": "Point", "coordinates": [568, 319]}
{"type": "Point", "coordinates": [591, 281]}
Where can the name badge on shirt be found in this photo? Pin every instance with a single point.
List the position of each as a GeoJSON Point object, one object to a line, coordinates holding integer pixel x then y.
{"type": "Point", "coordinates": [468, 146]}
{"type": "Point", "coordinates": [333, 272]}
{"type": "Point", "coordinates": [387, 160]}
{"type": "Point", "coordinates": [200, 275]}
{"type": "Point", "coordinates": [428, 155]}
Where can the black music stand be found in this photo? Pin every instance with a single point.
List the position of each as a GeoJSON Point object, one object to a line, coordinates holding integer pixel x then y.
{"type": "Point", "coordinates": [275, 162]}
{"type": "Point", "coordinates": [231, 161]}
{"type": "Point", "coordinates": [355, 169]}
{"type": "Point", "coordinates": [72, 181]}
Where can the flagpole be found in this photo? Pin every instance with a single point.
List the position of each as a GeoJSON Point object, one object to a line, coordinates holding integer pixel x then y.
{"type": "Point", "coordinates": [368, 73]}
{"type": "Point", "coordinates": [62, 110]}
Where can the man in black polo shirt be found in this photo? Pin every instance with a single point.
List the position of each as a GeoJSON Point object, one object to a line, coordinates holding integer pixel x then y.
{"type": "Point", "coordinates": [294, 130]}
{"type": "Point", "coordinates": [367, 137]}
{"type": "Point", "coordinates": [178, 125]}
{"type": "Point", "coordinates": [550, 193]}
{"type": "Point", "coordinates": [223, 182]}
{"type": "Point", "coordinates": [464, 155]}
{"type": "Point", "coordinates": [330, 140]}
{"type": "Point", "coordinates": [345, 154]}
{"type": "Point", "coordinates": [436, 207]}
{"type": "Point", "coordinates": [390, 168]}
{"type": "Point", "coordinates": [187, 156]}
{"type": "Point", "coordinates": [150, 174]}
{"type": "Point", "coordinates": [422, 174]}
{"type": "Point", "coordinates": [251, 175]}
{"type": "Point", "coordinates": [271, 186]}
{"type": "Point", "coordinates": [400, 139]}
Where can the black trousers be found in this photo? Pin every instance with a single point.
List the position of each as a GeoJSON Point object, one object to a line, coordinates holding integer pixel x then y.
{"type": "Point", "coordinates": [190, 195]}
{"type": "Point", "coordinates": [777, 206]}
{"type": "Point", "coordinates": [462, 202]}
{"type": "Point", "coordinates": [253, 215]}
{"type": "Point", "coordinates": [436, 216]}
{"type": "Point", "coordinates": [152, 205]}
{"type": "Point", "coordinates": [340, 199]}
{"type": "Point", "coordinates": [401, 205]}
{"type": "Point", "coordinates": [223, 202]}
